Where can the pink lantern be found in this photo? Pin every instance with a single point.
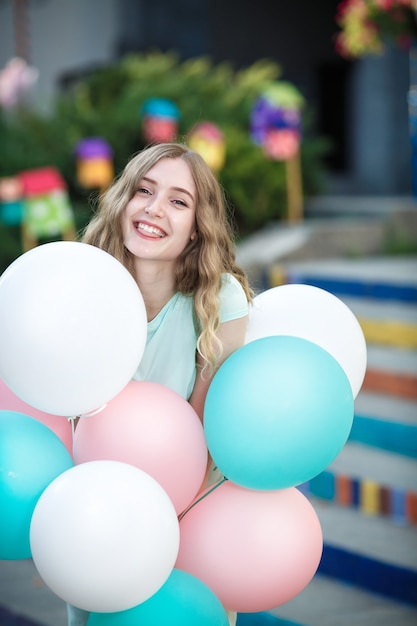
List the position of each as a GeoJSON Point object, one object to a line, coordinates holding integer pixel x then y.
{"type": "Point", "coordinates": [281, 145]}
{"type": "Point", "coordinates": [276, 121]}
{"type": "Point", "coordinates": [160, 120]}
{"type": "Point", "coordinates": [208, 140]}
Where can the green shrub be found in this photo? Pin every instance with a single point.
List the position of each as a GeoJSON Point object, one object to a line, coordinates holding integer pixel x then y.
{"type": "Point", "coordinates": [107, 103]}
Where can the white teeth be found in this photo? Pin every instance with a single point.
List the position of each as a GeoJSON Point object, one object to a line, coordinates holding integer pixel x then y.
{"type": "Point", "coordinates": [150, 229]}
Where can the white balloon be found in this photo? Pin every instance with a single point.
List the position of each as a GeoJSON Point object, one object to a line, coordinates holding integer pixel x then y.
{"type": "Point", "coordinates": [104, 536]}
{"type": "Point", "coordinates": [72, 327]}
{"type": "Point", "coordinates": [316, 315]}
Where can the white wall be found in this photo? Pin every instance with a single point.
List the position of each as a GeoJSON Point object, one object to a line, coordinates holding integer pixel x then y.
{"type": "Point", "coordinates": [65, 35]}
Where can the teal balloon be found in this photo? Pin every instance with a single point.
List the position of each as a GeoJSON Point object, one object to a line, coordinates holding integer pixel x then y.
{"type": "Point", "coordinates": [31, 457]}
{"type": "Point", "coordinates": [183, 600]}
{"type": "Point", "coordinates": [277, 413]}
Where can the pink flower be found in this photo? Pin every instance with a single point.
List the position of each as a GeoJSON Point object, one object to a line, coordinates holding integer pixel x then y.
{"type": "Point", "coordinates": [16, 78]}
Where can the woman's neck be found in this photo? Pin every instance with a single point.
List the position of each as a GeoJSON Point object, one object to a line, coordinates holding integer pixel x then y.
{"type": "Point", "coordinates": [157, 286]}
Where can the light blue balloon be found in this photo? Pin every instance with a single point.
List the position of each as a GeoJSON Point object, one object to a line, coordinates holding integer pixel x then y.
{"type": "Point", "coordinates": [183, 600]}
{"type": "Point", "coordinates": [277, 413]}
{"type": "Point", "coordinates": [31, 457]}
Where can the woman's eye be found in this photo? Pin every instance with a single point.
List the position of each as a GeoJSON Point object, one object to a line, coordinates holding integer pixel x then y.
{"type": "Point", "coordinates": [180, 202]}
{"type": "Point", "coordinates": [142, 190]}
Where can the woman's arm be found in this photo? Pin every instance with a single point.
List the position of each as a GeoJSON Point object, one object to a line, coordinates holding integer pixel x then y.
{"type": "Point", "coordinates": [232, 337]}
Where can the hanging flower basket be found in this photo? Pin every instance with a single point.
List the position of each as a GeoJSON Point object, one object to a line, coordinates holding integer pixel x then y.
{"type": "Point", "coordinates": [366, 25]}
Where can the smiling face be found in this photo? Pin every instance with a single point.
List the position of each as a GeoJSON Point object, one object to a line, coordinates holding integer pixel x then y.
{"type": "Point", "coordinates": [159, 220]}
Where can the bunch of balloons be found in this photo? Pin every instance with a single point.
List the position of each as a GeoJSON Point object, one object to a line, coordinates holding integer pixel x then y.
{"type": "Point", "coordinates": [113, 514]}
{"type": "Point", "coordinates": [278, 412]}
{"type": "Point", "coordinates": [96, 508]}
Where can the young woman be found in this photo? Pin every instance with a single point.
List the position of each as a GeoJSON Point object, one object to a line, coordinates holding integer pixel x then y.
{"type": "Point", "coordinates": [165, 220]}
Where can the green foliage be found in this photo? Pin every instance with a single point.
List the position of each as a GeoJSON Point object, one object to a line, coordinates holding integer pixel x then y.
{"type": "Point", "coordinates": [107, 103]}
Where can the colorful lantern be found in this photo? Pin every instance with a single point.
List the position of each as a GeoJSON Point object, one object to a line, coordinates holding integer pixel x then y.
{"type": "Point", "coordinates": [159, 120]}
{"type": "Point", "coordinates": [94, 163]}
{"type": "Point", "coordinates": [275, 125]}
{"type": "Point", "coordinates": [11, 201]}
{"type": "Point", "coordinates": [276, 121]}
{"type": "Point", "coordinates": [47, 210]}
{"type": "Point", "coordinates": [207, 139]}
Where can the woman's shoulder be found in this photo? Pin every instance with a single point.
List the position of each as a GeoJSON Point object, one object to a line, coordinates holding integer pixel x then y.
{"type": "Point", "coordinates": [233, 300]}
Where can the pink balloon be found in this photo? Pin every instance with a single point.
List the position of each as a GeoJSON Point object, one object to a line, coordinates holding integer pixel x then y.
{"type": "Point", "coordinates": [256, 550]}
{"type": "Point", "coordinates": [57, 423]}
{"type": "Point", "coordinates": [153, 428]}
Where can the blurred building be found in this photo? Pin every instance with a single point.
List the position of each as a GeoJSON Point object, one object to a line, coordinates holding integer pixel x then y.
{"type": "Point", "coordinates": [361, 106]}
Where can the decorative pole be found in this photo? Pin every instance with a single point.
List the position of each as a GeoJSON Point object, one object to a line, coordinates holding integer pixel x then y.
{"type": "Point", "coordinates": [294, 188]}
{"type": "Point", "coordinates": [21, 29]}
{"type": "Point", "coordinates": [276, 127]}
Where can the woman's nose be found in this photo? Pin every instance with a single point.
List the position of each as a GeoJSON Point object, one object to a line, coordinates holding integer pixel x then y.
{"type": "Point", "coordinates": [155, 207]}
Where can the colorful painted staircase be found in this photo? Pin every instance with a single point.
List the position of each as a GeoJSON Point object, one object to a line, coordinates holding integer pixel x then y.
{"type": "Point", "coordinates": [366, 499]}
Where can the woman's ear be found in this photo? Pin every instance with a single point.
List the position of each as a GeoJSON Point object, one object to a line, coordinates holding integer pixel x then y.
{"type": "Point", "coordinates": [193, 235]}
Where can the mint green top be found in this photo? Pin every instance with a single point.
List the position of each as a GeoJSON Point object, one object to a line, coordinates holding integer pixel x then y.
{"type": "Point", "coordinates": [170, 354]}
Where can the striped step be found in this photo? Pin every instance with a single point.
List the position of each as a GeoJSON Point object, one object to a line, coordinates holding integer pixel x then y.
{"type": "Point", "coordinates": [370, 552]}
{"type": "Point", "coordinates": [41, 607]}
{"type": "Point", "coordinates": [386, 323]}
{"type": "Point", "coordinates": [392, 371]}
{"type": "Point", "coordinates": [263, 619]}
{"type": "Point", "coordinates": [329, 602]}
{"type": "Point", "coordinates": [387, 317]}
{"type": "Point", "coordinates": [24, 596]}
{"type": "Point", "coordinates": [371, 481]}
{"type": "Point", "coordinates": [10, 618]}
{"type": "Point", "coordinates": [381, 278]}
{"type": "Point", "coordinates": [386, 422]}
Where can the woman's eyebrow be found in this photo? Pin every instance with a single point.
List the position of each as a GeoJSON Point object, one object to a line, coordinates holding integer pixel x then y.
{"type": "Point", "coordinates": [180, 189]}
{"type": "Point", "coordinates": [184, 191]}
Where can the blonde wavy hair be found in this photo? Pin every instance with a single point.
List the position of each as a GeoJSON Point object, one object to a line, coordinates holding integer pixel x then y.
{"type": "Point", "coordinates": [205, 258]}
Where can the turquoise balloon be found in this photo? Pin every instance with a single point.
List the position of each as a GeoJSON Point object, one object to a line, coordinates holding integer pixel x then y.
{"type": "Point", "coordinates": [277, 412]}
{"type": "Point", "coordinates": [183, 600]}
{"type": "Point", "coordinates": [31, 457]}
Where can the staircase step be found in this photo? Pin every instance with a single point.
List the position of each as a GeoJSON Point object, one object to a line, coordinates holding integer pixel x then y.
{"type": "Point", "coordinates": [10, 618]}
{"type": "Point", "coordinates": [386, 322]}
{"type": "Point", "coordinates": [392, 371]}
{"type": "Point", "coordinates": [24, 596]}
{"type": "Point", "coordinates": [329, 602]}
{"type": "Point", "coordinates": [387, 315]}
{"type": "Point", "coordinates": [26, 601]}
{"type": "Point", "coordinates": [371, 481]}
{"type": "Point", "coordinates": [370, 552]}
{"type": "Point", "coordinates": [386, 278]}
{"type": "Point", "coordinates": [385, 468]}
{"type": "Point", "coordinates": [405, 312]}
{"type": "Point", "coordinates": [263, 619]}
{"type": "Point", "coordinates": [386, 422]}
{"type": "Point", "coordinates": [400, 410]}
